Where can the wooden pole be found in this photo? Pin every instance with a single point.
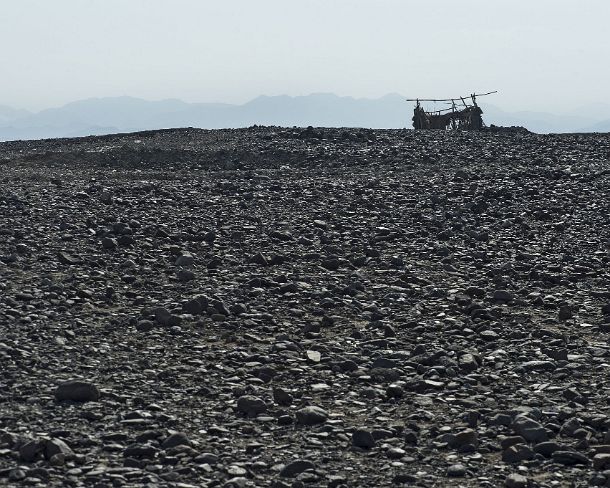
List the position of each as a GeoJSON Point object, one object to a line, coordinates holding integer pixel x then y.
{"type": "Point", "coordinates": [448, 99]}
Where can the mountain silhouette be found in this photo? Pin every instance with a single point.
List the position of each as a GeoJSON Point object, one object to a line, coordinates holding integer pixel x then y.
{"type": "Point", "coordinates": [97, 116]}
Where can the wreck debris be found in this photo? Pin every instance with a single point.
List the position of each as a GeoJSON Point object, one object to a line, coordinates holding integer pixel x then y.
{"type": "Point", "coordinates": [452, 118]}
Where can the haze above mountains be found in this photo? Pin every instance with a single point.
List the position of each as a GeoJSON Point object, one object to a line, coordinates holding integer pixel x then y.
{"type": "Point", "coordinates": [96, 116]}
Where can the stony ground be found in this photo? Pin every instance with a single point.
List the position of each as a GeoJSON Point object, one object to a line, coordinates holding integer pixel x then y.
{"type": "Point", "coordinates": [291, 308]}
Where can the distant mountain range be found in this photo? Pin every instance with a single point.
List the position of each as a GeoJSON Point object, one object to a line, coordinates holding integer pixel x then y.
{"type": "Point", "coordinates": [97, 116]}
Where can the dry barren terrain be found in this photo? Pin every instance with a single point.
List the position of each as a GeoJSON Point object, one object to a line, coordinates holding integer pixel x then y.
{"type": "Point", "coordinates": [284, 307]}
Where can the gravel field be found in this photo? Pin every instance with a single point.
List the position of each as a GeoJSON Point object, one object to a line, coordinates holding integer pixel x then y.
{"type": "Point", "coordinates": [287, 307]}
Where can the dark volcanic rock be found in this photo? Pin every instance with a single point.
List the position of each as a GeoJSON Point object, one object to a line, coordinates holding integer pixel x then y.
{"type": "Point", "coordinates": [547, 448]}
{"type": "Point", "coordinates": [145, 326]}
{"type": "Point", "coordinates": [363, 438]}
{"type": "Point", "coordinates": [570, 458]}
{"type": "Point", "coordinates": [77, 391]}
{"type": "Point", "coordinates": [529, 429]}
{"type": "Point", "coordinates": [517, 453]}
{"type": "Point", "coordinates": [176, 439]}
{"type": "Point", "coordinates": [311, 415]}
{"type": "Point", "coordinates": [251, 405]}
{"type": "Point", "coordinates": [456, 471]}
{"type": "Point", "coordinates": [294, 468]}
{"type": "Point", "coordinates": [30, 450]}
{"type": "Point", "coordinates": [56, 446]}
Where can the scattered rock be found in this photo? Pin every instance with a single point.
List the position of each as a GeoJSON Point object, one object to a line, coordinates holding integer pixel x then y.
{"type": "Point", "coordinates": [517, 453]}
{"type": "Point", "coordinates": [503, 296]}
{"type": "Point", "coordinates": [456, 471]}
{"type": "Point", "coordinates": [516, 480]}
{"type": "Point", "coordinates": [311, 415]}
{"type": "Point", "coordinates": [176, 439]}
{"type": "Point", "coordinates": [363, 439]}
{"type": "Point", "coordinates": [145, 326]}
{"type": "Point", "coordinates": [282, 397]}
{"type": "Point", "coordinates": [109, 243]}
{"type": "Point", "coordinates": [464, 438]}
{"type": "Point", "coordinates": [185, 259]}
{"type": "Point", "coordinates": [529, 429]}
{"type": "Point", "coordinates": [77, 391]}
{"type": "Point", "coordinates": [54, 447]}
{"type": "Point", "coordinates": [251, 405]}
{"type": "Point", "coordinates": [295, 468]}
{"type": "Point", "coordinates": [601, 461]}
{"type": "Point", "coordinates": [569, 458]}
{"type": "Point", "coordinates": [31, 450]}
{"type": "Point", "coordinates": [547, 448]}
{"type": "Point", "coordinates": [468, 363]}
{"type": "Point", "coordinates": [314, 356]}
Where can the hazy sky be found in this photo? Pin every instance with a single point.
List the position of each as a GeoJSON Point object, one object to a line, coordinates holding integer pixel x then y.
{"type": "Point", "coordinates": [542, 53]}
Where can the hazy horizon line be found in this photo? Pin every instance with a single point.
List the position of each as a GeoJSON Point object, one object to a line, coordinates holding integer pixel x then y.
{"type": "Point", "coordinates": [504, 107]}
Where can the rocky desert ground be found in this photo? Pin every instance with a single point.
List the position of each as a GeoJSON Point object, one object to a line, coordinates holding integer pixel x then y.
{"type": "Point", "coordinates": [286, 307]}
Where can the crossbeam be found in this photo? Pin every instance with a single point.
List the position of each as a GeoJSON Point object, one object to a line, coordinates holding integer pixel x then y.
{"type": "Point", "coordinates": [448, 99]}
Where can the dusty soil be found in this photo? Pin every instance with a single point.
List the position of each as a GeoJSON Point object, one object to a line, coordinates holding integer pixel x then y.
{"type": "Point", "coordinates": [291, 308]}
